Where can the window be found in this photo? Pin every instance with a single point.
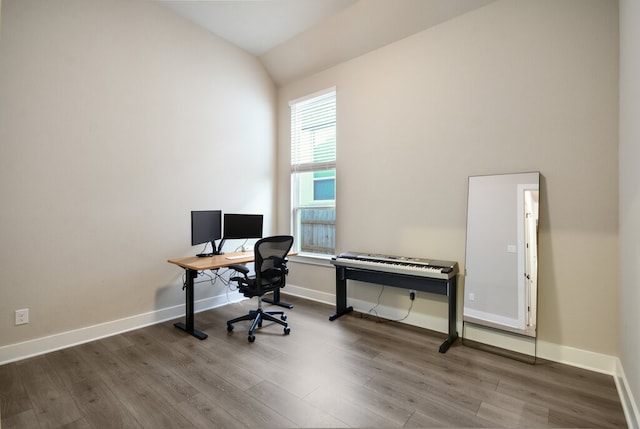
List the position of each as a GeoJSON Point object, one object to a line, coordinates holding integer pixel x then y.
{"type": "Point", "coordinates": [313, 172]}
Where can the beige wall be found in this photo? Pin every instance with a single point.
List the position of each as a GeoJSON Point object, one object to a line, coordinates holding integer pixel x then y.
{"type": "Point", "coordinates": [513, 87]}
{"type": "Point", "coordinates": [630, 197]}
{"type": "Point", "coordinates": [116, 119]}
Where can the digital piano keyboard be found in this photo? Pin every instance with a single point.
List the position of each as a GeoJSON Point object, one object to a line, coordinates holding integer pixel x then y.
{"type": "Point", "coordinates": [398, 264]}
{"type": "Point", "coordinates": [424, 275]}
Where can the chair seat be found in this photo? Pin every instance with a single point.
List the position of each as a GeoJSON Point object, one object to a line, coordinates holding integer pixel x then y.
{"type": "Point", "coordinates": [251, 292]}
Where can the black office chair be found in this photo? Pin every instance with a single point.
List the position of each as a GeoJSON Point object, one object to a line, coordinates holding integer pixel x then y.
{"type": "Point", "coordinates": [270, 266]}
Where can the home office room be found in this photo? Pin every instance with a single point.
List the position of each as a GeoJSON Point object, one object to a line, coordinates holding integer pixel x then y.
{"type": "Point", "coordinates": [118, 119]}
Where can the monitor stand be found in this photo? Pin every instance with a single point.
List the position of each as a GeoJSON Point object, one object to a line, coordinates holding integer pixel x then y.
{"type": "Point", "coordinates": [215, 251]}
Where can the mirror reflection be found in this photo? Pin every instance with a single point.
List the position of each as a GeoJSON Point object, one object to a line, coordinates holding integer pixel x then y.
{"type": "Point", "coordinates": [502, 253]}
{"type": "Point", "coordinates": [531, 256]}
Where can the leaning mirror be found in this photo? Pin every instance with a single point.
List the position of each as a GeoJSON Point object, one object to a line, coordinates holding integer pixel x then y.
{"type": "Point", "coordinates": [502, 252]}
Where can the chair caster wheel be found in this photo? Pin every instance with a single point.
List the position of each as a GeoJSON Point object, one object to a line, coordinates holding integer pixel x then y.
{"type": "Point", "coordinates": [251, 338]}
{"type": "Point", "coordinates": [283, 317]}
{"type": "Point", "coordinates": [229, 328]}
{"type": "Point", "coordinates": [287, 330]}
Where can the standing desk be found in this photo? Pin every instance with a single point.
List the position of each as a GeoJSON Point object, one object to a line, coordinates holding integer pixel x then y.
{"type": "Point", "coordinates": [193, 264]}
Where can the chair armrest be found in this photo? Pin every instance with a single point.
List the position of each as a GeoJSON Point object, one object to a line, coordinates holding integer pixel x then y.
{"type": "Point", "coordinates": [244, 271]}
{"type": "Point", "coordinates": [282, 262]}
{"type": "Point", "coordinates": [240, 268]}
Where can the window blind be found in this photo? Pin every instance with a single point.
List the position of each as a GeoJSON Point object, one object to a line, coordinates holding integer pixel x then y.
{"type": "Point", "coordinates": [313, 133]}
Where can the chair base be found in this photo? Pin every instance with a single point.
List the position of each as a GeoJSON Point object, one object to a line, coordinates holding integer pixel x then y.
{"type": "Point", "coordinates": [257, 317]}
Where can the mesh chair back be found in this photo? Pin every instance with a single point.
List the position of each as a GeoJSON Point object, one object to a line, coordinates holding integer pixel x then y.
{"type": "Point", "coordinates": [270, 253]}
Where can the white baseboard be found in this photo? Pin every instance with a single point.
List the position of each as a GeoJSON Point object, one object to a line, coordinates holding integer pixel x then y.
{"type": "Point", "coordinates": [554, 352]}
{"type": "Point", "coordinates": [38, 346]}
{"type": "Point", "coordinates": [13, 352]}
{"type": "Point", "coordinates": [585, 359]}
{"type": "Point", "coordinates": [311, 294]}
{"type": "Point", "coordinates": [550, 351]}
{"type": "Point", "coordinates": [576, 357]}
{"type": "Point", "coordinates": [629, 405]}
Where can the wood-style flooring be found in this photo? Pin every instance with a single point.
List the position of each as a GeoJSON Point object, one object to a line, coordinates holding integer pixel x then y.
{"type": "Point", "coordinates": [353, 372]}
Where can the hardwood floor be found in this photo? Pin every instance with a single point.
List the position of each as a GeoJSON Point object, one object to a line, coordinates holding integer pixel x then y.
{"type": "Point", "coordinates": [352, 372]}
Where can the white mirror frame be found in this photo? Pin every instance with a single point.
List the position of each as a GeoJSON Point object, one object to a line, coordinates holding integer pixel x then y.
{"type": "Point", "coordinates": [501, 263]}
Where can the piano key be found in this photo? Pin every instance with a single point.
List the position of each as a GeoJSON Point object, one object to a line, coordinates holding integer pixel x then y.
{"type": "Point", "coordinates": [398, 264]}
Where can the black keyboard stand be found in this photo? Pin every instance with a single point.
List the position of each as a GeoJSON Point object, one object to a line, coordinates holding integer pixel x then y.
{"type": "Point", "coordinates": [405, 281]}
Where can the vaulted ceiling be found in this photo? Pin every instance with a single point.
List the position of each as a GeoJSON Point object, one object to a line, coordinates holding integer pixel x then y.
{"type": "Point", "coordinates": [294, 38]}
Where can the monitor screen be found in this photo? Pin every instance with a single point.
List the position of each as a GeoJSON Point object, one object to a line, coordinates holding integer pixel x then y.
{"type": "Point", "coordinates": [206, 226]}
{"type": "Point", "coordinates": [241, 226]}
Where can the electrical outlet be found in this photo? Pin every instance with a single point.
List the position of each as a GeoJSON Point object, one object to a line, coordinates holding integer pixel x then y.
{"type": "Point", "coordinates": [412, 294]}
{"type": "Point", "coordinates": [22, 316]}
{"type": "Point", "coordinates": [472, 296]}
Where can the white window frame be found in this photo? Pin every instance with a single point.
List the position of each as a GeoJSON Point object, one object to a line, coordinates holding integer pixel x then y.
{"type": "Point", "coordinates": [303, 154]}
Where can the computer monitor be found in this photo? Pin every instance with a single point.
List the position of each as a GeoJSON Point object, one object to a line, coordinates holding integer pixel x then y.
{"type": "Point", "coordinates": [241, 226]}
{"type": "Point", "coordinates": [206, 227]}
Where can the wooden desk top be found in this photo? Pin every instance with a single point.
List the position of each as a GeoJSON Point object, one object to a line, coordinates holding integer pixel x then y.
{"type": "Point", "coordinates": [212, 262]}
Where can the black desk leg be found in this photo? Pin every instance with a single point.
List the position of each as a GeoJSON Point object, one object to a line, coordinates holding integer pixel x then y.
{"type": "Point", "coordinates": [189, 303]}
{"type": "Point", "coordinates": [453, 299]}
{"type": "Point", "coordinates": [341, 294]}
{"type": "Point", "coordinates": [276, 300]}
